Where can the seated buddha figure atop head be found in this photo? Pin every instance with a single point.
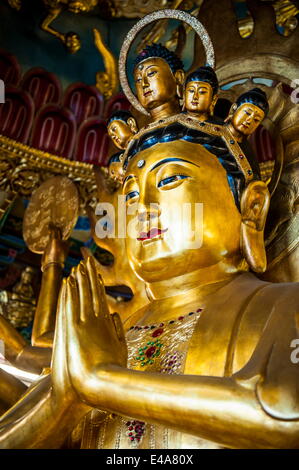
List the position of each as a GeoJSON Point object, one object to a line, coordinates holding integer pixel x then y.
{"type": "Point", "coordinates": [158, 76]}
{"type": "Point", "coordinates": [200, 93]}
{"type": "Point", "coordinates": [247, 113]}
{"type": "Point", "coordinates": [121, 128]}
{"type": "Point", "coordinates": [115, 167]}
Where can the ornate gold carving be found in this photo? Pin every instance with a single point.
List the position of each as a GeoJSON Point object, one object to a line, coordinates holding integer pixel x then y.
{"type": "Point", "coordinates": [24, 168]}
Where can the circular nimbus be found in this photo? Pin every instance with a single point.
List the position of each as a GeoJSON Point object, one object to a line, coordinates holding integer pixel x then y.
{"type": "Point", "coordinates": [158, 15]}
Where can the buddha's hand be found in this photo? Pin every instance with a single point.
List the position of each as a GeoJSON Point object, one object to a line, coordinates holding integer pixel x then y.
{"type": "Point", "coordinates": [63, 392]}
{"type": "Point", "coordinates": [95, 338]}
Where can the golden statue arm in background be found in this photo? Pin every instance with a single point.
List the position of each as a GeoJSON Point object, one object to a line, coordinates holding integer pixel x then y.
{"type": "Point", "coordinates": [20, 353]}
{"type": "Point", "coordinates": [106, 82]}
{"type": "Point", "coordinates": [52, 266]}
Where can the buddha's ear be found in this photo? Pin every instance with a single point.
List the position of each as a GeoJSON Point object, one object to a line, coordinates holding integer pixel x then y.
{"type": "Point", "coordinates": [232, 110]}
{"type": "Point", "coordinates": [179, 76]}
{"type": "Point", "coordinates": [213, 104]}
{"type": "Point", "coordinates": [132, 125]}
{"type": "Point", "coordinates": [254, 208]}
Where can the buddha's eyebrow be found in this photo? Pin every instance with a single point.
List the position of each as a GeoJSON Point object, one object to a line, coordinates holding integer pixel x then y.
{"type": "Point", "coordinates": [166, 160]}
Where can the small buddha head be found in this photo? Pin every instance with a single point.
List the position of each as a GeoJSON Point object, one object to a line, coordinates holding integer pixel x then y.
{"type": "Point", "coordinates": [248, 111]}
{"type": "Point", "coordinates": [158, 76]}
{"type": "Point", "coordinates": [115, 168]}
{"type": "Point", "coordinates": [121, 128]}
{"type": "Point", "coordinates": [200, 91]}
{"type": "Point", "coordinates": [190, 211]}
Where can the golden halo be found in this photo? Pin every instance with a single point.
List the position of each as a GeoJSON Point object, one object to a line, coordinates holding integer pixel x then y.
{"type": "Point", "coordinates": [158, 15]}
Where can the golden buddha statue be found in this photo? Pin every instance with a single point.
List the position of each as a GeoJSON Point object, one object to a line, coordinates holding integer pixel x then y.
{"type": "Point", "coordinates": [159, 77]}
{"type": "Point", "coordinates": [200, 93]}
{"type": "Point", "coordinates": [19, 305]}
{"type": "Point", "coordinates": [247, 113]}
{"type": "Point", "coordinates": [208, 362]}
{"type": "Point", "coordinates": [121, 128]}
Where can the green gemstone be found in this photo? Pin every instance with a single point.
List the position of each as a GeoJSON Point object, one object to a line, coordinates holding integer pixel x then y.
{"type": "Point", "coordinates": [143, 364]}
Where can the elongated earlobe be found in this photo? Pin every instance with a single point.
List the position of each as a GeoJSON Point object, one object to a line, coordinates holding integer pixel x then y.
{"type": "Point", "coordinates": [179, 77]}
{"type": "Point", "coordinates": [232, 110]}
{"type": "Point", "coordinates": [213, 104]}
{"type": "Point", "coordinates": [132, 124]}
{"type": "Point", "coordinates": [254, 208]}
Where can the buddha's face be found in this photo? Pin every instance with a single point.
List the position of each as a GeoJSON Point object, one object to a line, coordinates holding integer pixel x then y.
{"type": "Point", "coordinates": [155, 83]}
{"type": "Point", "coordinates": [164, 180]}
{"type": "Point", "coordinates": [247, 118]}
{"type": "Point", "coordinates": [198, 97]}
{"type": "Point", "coordinates": [120, 133]}
{"type": "Point", "coordinates": [116, 171]}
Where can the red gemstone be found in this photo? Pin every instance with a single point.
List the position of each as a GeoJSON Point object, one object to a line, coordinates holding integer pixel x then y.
{"type": "Point", "coordinates": [130, 434]}
{"type": "Point", "coordinates": [161, 324]}
{"type": "Point", "coordinates": [181, 318]}
{"type": "Point", "coordinates": [130, 428]}
{"type": "Point", "coordinates": [199, 310]}
{"type": "Point", "coordinates": [150, 351]}
{"type": "Point", "coordinates": [128, 423]}
{"type": "Point", "coordinates": [241, 156]}
{"type": "Point", "coordinates": [170, 363]}
{"type": "Point", "coordinates": [157, 332]}
{"type": "Point", "coordinates": [132, 438]}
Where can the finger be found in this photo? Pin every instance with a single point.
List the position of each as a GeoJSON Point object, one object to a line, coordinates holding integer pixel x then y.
{"type": "Point", "coordinates": [60, 332]}
{"type": "Point", "coordinates": [72, 304]}
{"type": "Point", "coordinates": [71, 317]}
{"type": "Point", "coordinates": [98, 290]}
{"type": "Point", "coordinates": [120, 332]}
{"type": "Point", "coordinates": [85, 297]}
{"type": "Point", "coordinates": [118, 327]}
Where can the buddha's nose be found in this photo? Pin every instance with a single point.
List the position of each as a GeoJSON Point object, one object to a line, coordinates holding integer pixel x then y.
{"type": "Point", "coordinates": [148, 212]}
{"type": "Point", "coordinates": [145, 82]}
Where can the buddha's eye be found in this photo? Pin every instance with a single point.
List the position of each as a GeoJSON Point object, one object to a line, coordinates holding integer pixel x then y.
{"type": "Point", "coordinates": [246, 112]}
{"type": "Point", "coordinates": [171, 181]}
{"type": "Point", "coordinates": [132, 195]}
{"type": "Point", "coordinates": [153, 72]}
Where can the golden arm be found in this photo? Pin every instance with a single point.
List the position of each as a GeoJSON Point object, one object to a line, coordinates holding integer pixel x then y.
{"type": "Point", "coordinates": [50, 409]}
{"type": "Point", "coordinates": [45, 314]}
{"type": "Point", "coordinates": [253, 408]}
{"type": "Point", "coordinates": [19, 352]}
{"type": "Point", "coordinates": [39, 420]}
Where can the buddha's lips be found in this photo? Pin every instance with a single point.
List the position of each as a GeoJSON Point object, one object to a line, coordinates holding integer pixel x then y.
{"type": "Point", "coordinates": [147, 93]}
{"type": "Point", "coordinates": [154, 232]}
